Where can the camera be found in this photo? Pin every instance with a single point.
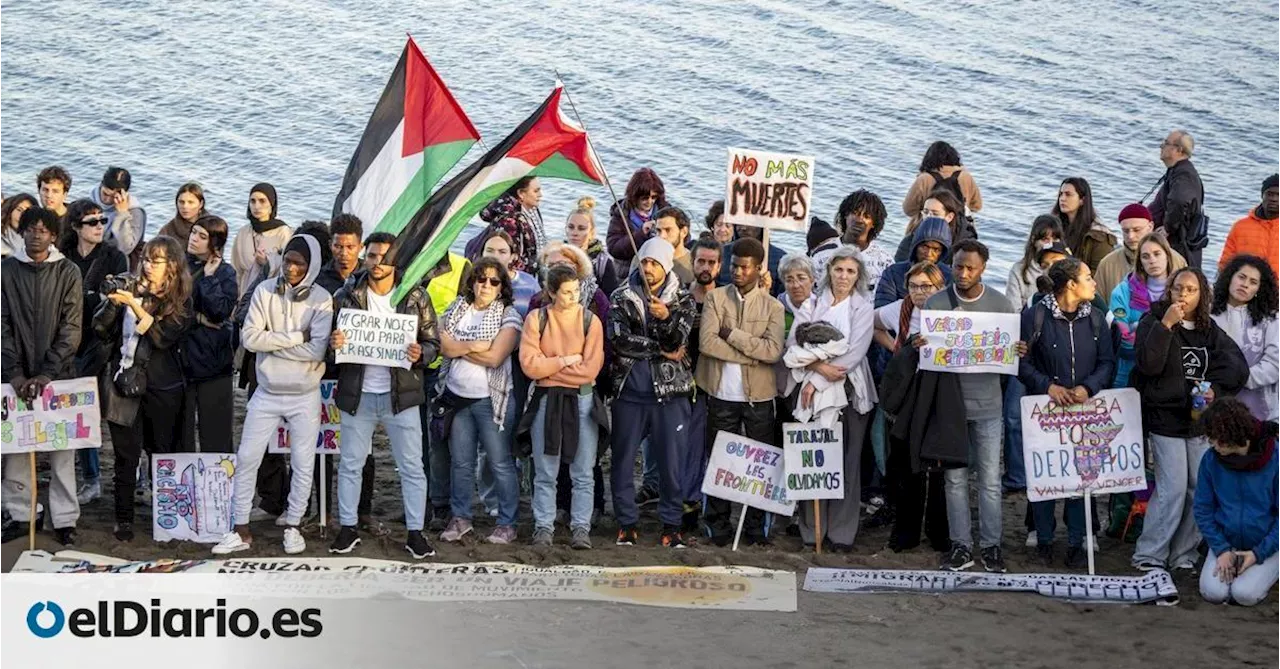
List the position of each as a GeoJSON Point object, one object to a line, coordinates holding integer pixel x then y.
{"type": "Point", "coordinates": [118, 282]}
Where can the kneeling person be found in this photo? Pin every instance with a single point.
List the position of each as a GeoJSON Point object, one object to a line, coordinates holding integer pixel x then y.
{"type": "Point", "coordinates": [369, 395]}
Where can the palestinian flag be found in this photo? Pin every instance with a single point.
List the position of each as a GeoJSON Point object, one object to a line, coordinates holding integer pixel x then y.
{"type": "Point", "coordinates": [546, 144]}
{"type": "Point", "coordinates": [415, 135]}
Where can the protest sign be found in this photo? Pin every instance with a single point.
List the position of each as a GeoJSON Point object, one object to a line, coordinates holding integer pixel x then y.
{"type": "Point", "coordinates": [813, 460]}
{"type": "Point", "coordinates": [769, 190]}
{"type": "Point", "coordinates": [191, 498]}
{"type": "Point", "coordinates": [748, 472]}
{"type": "Point", "coordinates": [375, 338]}
{"type": "Point", "coordinates": [969, 342]}
{"type": "Point", "coordinates": [1095, 446]}
{"type": "Point", "coordinates": [64, 417]}
{"type": "Point", "coordinates": [328, 442]}
{"type": "Point", "coordinates": [1156, 586]}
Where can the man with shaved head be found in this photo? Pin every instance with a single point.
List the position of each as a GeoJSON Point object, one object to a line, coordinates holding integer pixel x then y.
{"type": "Point", "coordinates": [1178, 207]}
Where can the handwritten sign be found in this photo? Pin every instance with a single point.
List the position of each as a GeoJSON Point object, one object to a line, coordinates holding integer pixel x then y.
{"type": "Point", "coordinates": [748, 472]}
{"type": "Point", "coordinates": [375, 338]}
{"type": "Point", "coordinates": [191, 496]}
{"type": "Point", "coordinates": [327, 443]}
{"type": "Point", "coordinates": [769, 190]}
{"type": "Point", "coordinates": [969, 342]}
{"type": "Point", "coordinates": [66, 416]}
{"type": "Point", "coordinates": [1093, 446]}
{"type": "Point", "coordinates": [814, 460]}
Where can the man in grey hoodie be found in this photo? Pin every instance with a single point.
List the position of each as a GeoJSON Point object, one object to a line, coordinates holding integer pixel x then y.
{"type": "Point", "coordinates": [41, 298]}
{"type": "Point", "coordinates": [288, 327]}
{"type": "Point", "coordinates": [126, 219]}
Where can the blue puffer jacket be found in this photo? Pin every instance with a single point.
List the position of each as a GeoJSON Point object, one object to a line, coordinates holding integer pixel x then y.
{"type": "Point", "coordinates": [893, 282]}
{"type": "Point", "coordinates": [1068, 352]}
{"type": "Point", "coordinates": [1237, 509]}
{"type": "Point", "coordinates": [207, 351]}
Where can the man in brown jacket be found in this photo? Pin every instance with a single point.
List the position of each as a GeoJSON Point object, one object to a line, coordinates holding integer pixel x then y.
{"type": "Point", "coordinates": [739, 340]}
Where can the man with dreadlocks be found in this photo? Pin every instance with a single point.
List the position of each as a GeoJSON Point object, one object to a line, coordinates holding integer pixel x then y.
{"type": "Point", "coordinates": [860, 219]}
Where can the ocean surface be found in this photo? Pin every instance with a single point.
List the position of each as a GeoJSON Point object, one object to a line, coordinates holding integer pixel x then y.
{"type": "Point", "coordinates": [229, 94]}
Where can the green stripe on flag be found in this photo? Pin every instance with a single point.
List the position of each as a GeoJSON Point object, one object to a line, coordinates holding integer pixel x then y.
{"type": "Point", "coordinates": [559, 167]}
{"type": "Point", "coordinates": [437, 160]}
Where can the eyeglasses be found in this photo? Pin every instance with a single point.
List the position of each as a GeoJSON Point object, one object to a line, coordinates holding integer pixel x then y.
{"type": "Point", "coordinates": [491, 280]}
{"type": "Point", "coordinates": [94, 221]}
{"type": "Point", "coordinates": [650, 196]}
{"type": "Point", "coordinates": [156, 261]}
{"type": "Point", "coordinates": [921, 287]}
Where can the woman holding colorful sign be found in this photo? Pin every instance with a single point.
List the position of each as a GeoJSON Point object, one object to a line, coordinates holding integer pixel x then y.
{"type": "Point", "coordinates": [1070, 360]}
{"type": "Point", "coordinates": [847, 376]}
{"type": "Point", "coordinates": [1184, 362]}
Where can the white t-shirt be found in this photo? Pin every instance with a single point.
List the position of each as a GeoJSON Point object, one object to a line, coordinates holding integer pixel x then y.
{"type": "Point", "coordinates": [377, 379]}
{"type": "Point", "coordinates": [887, 318]}
{"type": "Point", "coordinates": [731, 386]}
{"type": "Point", "coordinates": [466, 378]}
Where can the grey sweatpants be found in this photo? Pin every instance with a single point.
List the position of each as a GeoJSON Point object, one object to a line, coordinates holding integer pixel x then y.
{"type": "Point", "coordinates": [840, 516]}
{"type": "Point", "coordinates": [63, 506]}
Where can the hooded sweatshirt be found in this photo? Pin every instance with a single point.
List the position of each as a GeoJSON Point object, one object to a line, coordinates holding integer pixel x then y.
{"type": "Point", "coordinates": [1235, 507]}
{"type": "Point", "coordinates": [288, 327]}
{"type": "Point", "coordinates": [42, 316]}
{"type": "Point", "coordinates": [270, 234]}
{"type": "Point", "coordinates": [893, 281]}
{"type": "Point", "coordinates": [1260, 344]}
{"type": "Point", "coordinates": [124, 230]}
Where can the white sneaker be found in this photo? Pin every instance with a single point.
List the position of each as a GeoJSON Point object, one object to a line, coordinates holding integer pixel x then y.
{"type": "Point", "coordinates": [1032, 541]}
{"type": "Point", "coordinates": [89, 492]}
{"type": "Point", "coordinates": [293, 541]}
{"type": "Point", "coordinates": [231, 543]}
{"type": "Point", "coordinates": [281, 520]}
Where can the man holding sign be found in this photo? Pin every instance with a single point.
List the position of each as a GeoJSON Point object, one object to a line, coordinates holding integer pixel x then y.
{"type": "Point", "coordinates": [984, 411]}
{"type": "Point", "coordinates": [383, 393]}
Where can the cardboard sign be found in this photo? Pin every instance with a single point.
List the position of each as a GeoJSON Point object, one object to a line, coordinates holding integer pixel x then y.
{"type": "Point", "coordinates": [1094, 446]}
{"type": "Point", "coordinates": [191, 496]}
{"type": "Point", "coordinates": [66, 416]}
{"type": "Point", "coordinates": [748, 472]}
{"type": "Point", "coordinates": [814, 460]}
{"type": "Point", "coordinates": [375, 338]}
{"type": "Point", "coordinates": [329, 439]}
{"type": "Point", "coordinates": [970, 342]}
{"type": "Point", "coordinates": [769, 190]}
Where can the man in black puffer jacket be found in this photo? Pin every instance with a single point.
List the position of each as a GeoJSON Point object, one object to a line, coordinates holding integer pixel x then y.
{"type": "Point", "coordinates": [42, 301]}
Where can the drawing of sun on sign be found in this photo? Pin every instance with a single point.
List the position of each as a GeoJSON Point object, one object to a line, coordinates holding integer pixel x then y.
{"type": "Point", "coordinates": [1095, 445]}
{"type": "Point", "coordinates": [192, 497]}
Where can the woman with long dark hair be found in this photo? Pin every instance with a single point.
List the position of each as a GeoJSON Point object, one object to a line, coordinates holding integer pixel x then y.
{"type": "Point", "coordinates": [1132, 299]}
{"type": "Point", "coordinates": [1244, 306]}
{"type": "Point", "coordinates": [10, 211]}
{"type": "Point", "coordinates": [516, 213]}
{"type": "Point", "coordinates": [189, 207]}
{"type": "Point", "coordinates": [1021, 286]}
{"type": "Point", "coordinates": [1184, 362]}
{"type": "Point", "coordinates": [143, 381]}
{"type": "Point", "coordinates": [1086, 236]}
{"type": "Point", "coordinates": [941, 167]}
{"type": "Point", "coordinates": [208, 348]}
{"type": "Point", "coordinates": [632, 218]}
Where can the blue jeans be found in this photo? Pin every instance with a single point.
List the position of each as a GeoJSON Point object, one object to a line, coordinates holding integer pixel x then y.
{"type": "Point", "coordinates": [1015, 469]}
{"type": "Point", "coordinates": [473, 428]}
{"type": "Point", "coordinates": [1046, 524]}
{"type": "Point", "coordinates": [404, 429]}
{"type": "Point", "coordinates": [984, 454]}
{"type": "Point", "coordinates": [547, 469]}
{"type": "Point", "coordinates": [89, 470]}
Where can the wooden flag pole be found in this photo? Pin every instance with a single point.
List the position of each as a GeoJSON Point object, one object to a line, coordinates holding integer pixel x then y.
{"type": "Point", "coordinates": [738, 534]}
{"type": "Point", "coordinates": [31, 522]}
{"type": "Point", "coordinates": [817, 528]}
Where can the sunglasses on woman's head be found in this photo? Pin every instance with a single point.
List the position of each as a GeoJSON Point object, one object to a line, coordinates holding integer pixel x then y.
{"type": "Point", "coordinates": [491, 280]}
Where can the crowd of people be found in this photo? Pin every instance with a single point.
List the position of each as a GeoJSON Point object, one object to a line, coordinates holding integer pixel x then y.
{"type": "Point", "coordinates": [535, 357]}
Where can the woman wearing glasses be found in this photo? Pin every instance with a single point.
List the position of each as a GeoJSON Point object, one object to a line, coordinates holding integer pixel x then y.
{"type": "Point", "coordinates": [96, 261]}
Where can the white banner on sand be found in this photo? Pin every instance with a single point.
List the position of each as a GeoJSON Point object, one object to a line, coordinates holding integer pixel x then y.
{"type": "Point", "coordinates": [1156, 586]}
{"type": "Point", "coordinates": [737, 588]}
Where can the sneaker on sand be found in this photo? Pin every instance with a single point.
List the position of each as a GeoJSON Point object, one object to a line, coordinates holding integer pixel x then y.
{"type": "Point", "coordinates": [542, 536]}
{"type": "Point", "coordinates": [65, 535]}
{"type": "Point", "coordinates": [348, 538]}
{"type": "Point", "coordinates": [283, 521]}
{"type": "Point", "coordinates": [671, 537]}
{"type": "Point", "coordinates": [502, 535]}
{"type": "Point", "coordinates": [1076, 557]}
{"type": "Point", "coordinates": [293, 541]}
{"type": "Point", "coordinates": [418, 546]}
{"type": "Point", "coordinates": [993, 560]}
{"type": "Point", "coordinates": [647, 496]}
{"type": "Point", "coordinates": [457, 528]}
{"type": "Point", "coordinates": [580, 539]}
{"type": "Point", "coordinates": [959, 559]}
{"type": "Point", "coordinates": [627, 536]}
{"type": "Point", "coordinates": [1032, 539]}
{"type": "Point", "coordinates": [439, 520]}
{"type": "Point", "coordinates": [89, 491]}
{"type": "Point", "coordinates": [231, 542]}
{"type": "Point", "coordinates": [1044, 555]}
{"type": "Point", "coordinates": [123, 532]}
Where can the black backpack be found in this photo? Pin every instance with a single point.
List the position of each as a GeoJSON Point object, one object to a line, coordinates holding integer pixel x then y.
{"type": "Point", "coordinates": [951, 183]}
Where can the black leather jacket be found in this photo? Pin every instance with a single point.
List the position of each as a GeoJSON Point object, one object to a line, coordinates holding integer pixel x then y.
{"type": "Point", "coordinates": [635, 336]}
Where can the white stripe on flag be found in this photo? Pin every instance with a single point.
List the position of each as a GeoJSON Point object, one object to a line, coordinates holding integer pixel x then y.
{"type": "Point", "coordinates": [383, 183]}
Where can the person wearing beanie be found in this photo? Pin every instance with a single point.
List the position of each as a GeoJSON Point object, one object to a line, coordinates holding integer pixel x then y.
{"type": "Point", "coordinates": [821, 242]}
{"type": "Point", "coordinates": [288, 326]}
{"type": "Point", "coordinates": [1135, 224]}
{"type": "Point", "coordinates": [256, 251]}
{"type": "Point", "coordinates": [650, 383]}
{"type": "Point", "coordinates": [1258, 233]}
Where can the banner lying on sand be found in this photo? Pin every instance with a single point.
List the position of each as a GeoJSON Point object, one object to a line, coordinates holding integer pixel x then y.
{"type": "Point", "coordinates": [738, 588]}
{"type": "Point", "coordinates": [1156, 586]}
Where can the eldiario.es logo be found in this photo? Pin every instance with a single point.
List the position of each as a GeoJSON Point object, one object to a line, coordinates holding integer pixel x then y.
{"type": "Point", "coordinates": [124, 619]}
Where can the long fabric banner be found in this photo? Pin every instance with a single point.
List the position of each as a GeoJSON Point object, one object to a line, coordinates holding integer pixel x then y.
{"type": "Point", "coordinates": [66, 416]}
{"type": "Point", "coordinates": [740, 588]}
{"type": "Point", "coordinates": [1156, 586]}
{"type": "Point", "coordinates": [969, 342]}
{"type": "Point", "coordinates": [1095, 446]}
